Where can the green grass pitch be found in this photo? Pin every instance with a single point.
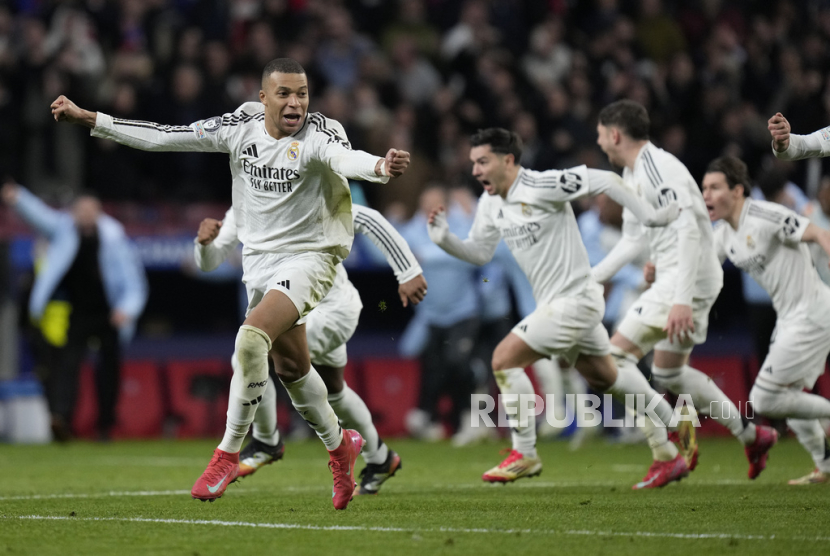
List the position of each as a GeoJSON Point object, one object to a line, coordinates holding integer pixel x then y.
{"type": "Point", "coordinates": [133, 498]}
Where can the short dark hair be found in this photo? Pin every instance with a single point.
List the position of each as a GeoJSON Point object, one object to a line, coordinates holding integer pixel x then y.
{"type": "Point", "coordinates": [735, 171]}
{"type": "Point", "coordinates": [500, 140]}
{"type": "Point", "coordinates": [281, 65]}
{"type": "Point", "coordinates": [772, 183]}
{"type": "Point", "coordinates": [629, 116]}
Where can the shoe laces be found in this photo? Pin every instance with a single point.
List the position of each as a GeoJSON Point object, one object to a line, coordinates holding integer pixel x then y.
{"type": "Point", "coordinates": [217, 467]}
{"type": "Point", "coordinates": [512, 458]}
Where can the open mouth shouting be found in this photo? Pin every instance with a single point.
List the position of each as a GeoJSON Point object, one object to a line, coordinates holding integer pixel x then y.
{"type": "Point", "coordinates": [292, 120]}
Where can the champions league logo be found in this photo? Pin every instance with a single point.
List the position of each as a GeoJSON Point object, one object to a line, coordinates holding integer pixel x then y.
{"type": "Point", "coordinates": [213, 124]}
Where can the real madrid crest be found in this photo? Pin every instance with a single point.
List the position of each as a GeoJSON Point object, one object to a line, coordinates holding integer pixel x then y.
{"type": "Point", "coordinates": [294, 150]}
{"type": "Point", "coordinates": [750, 242]}
{"type": "Point", "coordinates": [526, 210]}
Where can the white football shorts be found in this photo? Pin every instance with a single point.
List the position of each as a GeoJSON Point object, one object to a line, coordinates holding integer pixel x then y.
{"type": "Point", "coordinates": [644, 322]}
{"type": "Point", "coordinates": [330, 325]}
{"type": "Point", "coordinates": [797, 352]}
{"type": "Point", "coordinates": [304, 277]}
{"type": "Point", "coordinates": [567, 326]}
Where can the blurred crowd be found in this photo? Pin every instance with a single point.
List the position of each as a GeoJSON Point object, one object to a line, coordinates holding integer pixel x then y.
{"type": "Point", "coordinates": [422, 75]}
{"type": "Point", "coordinates": [418, 74]}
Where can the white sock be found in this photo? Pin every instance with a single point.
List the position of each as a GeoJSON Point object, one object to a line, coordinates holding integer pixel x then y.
{"type": "Point", "coordinates": [812, 437]}
{"type": "Point", "coordinates": [515, 381]}
{"type": "Point", "coordinates": [354, 414]}
{"type": "Point", "coordinates": [265, 420]}
{"type": "Point", "coordinates": [631, 381]}
{"type": "Point", "coordinates": [575, 384]}
{"type": "Point", "coordinates": [704, 391]}
{"type": "Point", "coordinates": [550, 380]}
{"type": "Point", "coordinates": [775, 401]}
{"type": "Point", "coordinates": [250, 376]}
{"type": "Point", "coordinates": [308, 395]}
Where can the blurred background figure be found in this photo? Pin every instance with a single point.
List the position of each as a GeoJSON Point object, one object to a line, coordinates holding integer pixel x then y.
{"type": "Point", "coordinates": [444, 330]}
{"type": "Point", "coordinates": [91, 266]}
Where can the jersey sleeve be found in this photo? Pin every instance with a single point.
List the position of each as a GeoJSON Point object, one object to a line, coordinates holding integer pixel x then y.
{"type": "Point", "coordinates": [210, 135]}
{"type": "Point", "coordinates": [792, 227]}
{"type": "Point", "coordinates": [374, 226]}
{"type": "Point", "coordinates": [209, 257]}
{"type": "Point", "coordinates": [814, 145]}
{"type": "Point", "coordinates": [334, 150]}
{"type": "Point", "coordinates": [632, 243]}
{"type": "Point", "coordinates": [484, 232]}
{"type": "Point", "coordinates": [558, 186]}
{"type": "Point", "coordinates": [480, 245]}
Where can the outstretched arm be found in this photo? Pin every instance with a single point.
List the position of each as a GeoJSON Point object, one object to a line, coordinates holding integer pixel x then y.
{"type": "Point", "coordinates": [789, 146]}
{"type": "Point", "coordinates": [386, 238]}
{"type": "Point", "coordinates": [360, 165]}
{"type": "Point", "coordinates": [202, 136]}
{"type": "Point", "coordinates": [64, 110]}
{"type": "Point", "coordinates": [43, 218]}
{"type": "Point", "coordinates": [478, 249]}
{"type": "Point", "coordinates": [603, 181]}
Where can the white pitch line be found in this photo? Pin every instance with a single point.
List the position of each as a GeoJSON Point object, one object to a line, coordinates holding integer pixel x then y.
{"type": "Point", "coordinates": [400, 490]}
{"type": "Point", "coordinates": [98, 494]}
{"type": "Point", "coordinates": [367, 528]}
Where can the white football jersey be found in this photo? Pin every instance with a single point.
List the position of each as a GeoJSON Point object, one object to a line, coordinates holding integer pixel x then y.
{"type": "Point", "coordinates": [768, 246]}
{"type": "Point", "coordinates": [288, 196]}
{"type": "Point", "coordinates": [659, 178]}
{"type": "Point", "coordinates": [538, 225]}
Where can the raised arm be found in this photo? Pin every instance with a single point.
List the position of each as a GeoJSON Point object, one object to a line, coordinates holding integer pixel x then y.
{"type": "Point", "coordinates": [410, 277]}
{"type": "Point", "coordinates": [43, 218]}
{"type": "Point", "coordinates": [632, 243]}
{"type": "Point", "coordinates": [215, 241]}
{"type": "Point", "coordinates": [789, 146]}
{"type": "Point", "coordinates": [477, 249]}
{"type": "Point", "coordinates": [202, 136]}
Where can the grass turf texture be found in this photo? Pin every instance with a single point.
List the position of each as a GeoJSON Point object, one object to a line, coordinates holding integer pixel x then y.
{"type": "Point", "coordinates": [112, 498]}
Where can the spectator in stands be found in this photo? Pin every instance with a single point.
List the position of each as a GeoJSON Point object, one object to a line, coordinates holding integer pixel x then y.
{"type": "Point", "coordinates": [445, 326]}
{"type": "Point", "coordinates": [91, 264]}
{"type": "Point", "coordinates": [818, 212]}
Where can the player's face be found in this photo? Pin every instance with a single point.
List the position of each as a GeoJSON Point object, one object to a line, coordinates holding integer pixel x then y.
{"type": "Point", "coordinates": [285, 96]}
{"type": "Point", "coordinates": [490, 169]}
{"type": "Point", "coordinates": [720, 200]}
{"type": "Point", "coordinates": [85, 211]}
{"type": "Point", "coordinates": [607, 141]}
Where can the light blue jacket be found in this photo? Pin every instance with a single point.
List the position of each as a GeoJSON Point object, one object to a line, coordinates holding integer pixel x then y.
{"type": "Point", "coordinates": [125, 284]}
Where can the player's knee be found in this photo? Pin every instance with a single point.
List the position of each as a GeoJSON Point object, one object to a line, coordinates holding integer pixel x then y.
{"type": "Point", "coordinates": [767, 403]}
{"type": "Point", "coordinates": [500, 361]}
{"type": "Point", "coordinates": [251, 352]}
